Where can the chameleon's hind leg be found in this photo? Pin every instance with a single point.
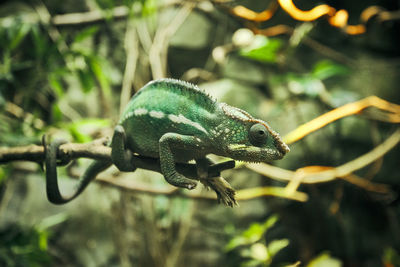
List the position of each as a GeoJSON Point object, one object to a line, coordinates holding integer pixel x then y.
{"type": "Point", "coordinates": [168, 142]}
{"type": "Point", "coordinates": [225, 193]}
{"type": "Point", "coordinates": [120, 155]}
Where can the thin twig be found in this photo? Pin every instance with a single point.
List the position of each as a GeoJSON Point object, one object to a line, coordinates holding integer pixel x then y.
{"type": "Point", "coordinates": [158, 50]}
{"type": "Point", "coordinates": [132, 55]}
{"type": "Point", "coordinates": [392, 114]}
{"type": "Point", "coordinates": [322, 174]}
{"type": "Point", "coordinates": [88, 17]}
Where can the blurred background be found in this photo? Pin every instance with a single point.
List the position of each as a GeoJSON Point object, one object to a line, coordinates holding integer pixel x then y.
{"type": "Point", "coordinates": [68, 68]}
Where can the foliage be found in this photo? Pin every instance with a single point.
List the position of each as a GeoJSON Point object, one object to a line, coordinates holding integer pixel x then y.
{"type": "Point", "coordinates": [324, 260]}
{"type": "Point", "coordinates": [252, 246]}
{"type": "Point", "coordinates": [262, 49]}
{"type": "Point", "coordinates": [391, 257]}
{"type": "Point", "coordinates": [51, 66]}
{"type": "Point", "coordinates": [27, 246]}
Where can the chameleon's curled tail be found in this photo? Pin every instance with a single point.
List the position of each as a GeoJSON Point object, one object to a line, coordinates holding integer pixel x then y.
{"type": "Point", "coordinates": [52, 188]}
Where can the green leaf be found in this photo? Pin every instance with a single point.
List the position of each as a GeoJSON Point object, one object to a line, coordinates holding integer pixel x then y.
{"type": "Point", "coordinates": [253, 234]}
{"type": "Point", "coordinates": [259, 251]}
{"type": "Point", "coordinates": [81, 129]}
{"type": "Point", "coordinates": [251, 263]}
{"type": "Point", "coordinates": [95, 64]}
{"type": "Point", "coordinates": [16, 38]}
{"type": "Point", "coordinates": [86, 33]}
{"type": "Point", "coordinates": [326, 69]}
{"type": "Point", "coordinates": [2, 175]}
{"type": "Point", "coordinates": [262, 49]}
{"type": "Point", "coordinates": [270, 222]}
{"type": "Point", "coordinates": [56, 85]}
{"type": "Point", "coordinates": [149, 7]}
{"type": "Point", "coordinates": [305, 84]}
{"type": "Point", "coordinates": [276, 245]}
{"type": "Point", "coordinates": [57, 114]}
{"type": "Point", "coordinates": [235, 242]}
{"type": "Point", "coordinates": [39, 42]}
{"type": "Point", "coordinates": [324, 260]}
{"type": "Point", "coordinates": [86, 80]}
{"type": "Point", "coordinates": [256, 230]}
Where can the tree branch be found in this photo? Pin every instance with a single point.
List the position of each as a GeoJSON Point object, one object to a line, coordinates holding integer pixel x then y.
{"type": "Point", "coordinates": [98, 149]}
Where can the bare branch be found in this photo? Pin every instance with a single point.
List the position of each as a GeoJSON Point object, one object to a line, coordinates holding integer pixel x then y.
{"type": "Point", "coordinates": [322, 174]}
{"type": "Point", "coordinates": [35, 153]}
{"type": "Point", "coordinates": [88, 17]}
{"type": "Point", "coordinates": [96, 16]}
{"type": "Point", "coordinates": [98, 150]}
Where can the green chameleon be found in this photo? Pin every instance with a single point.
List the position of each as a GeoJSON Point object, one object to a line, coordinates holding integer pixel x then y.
{"type": "Point", "coordinates": [175, 122]}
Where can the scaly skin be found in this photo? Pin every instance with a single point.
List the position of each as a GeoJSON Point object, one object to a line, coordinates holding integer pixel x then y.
{"type": "Point", "coordinates": [177, 122]}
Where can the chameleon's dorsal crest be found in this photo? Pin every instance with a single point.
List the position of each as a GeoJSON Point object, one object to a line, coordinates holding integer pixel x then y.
{"type": "Point", "coordinates": [236, 113]}
{"type": "Point", "coordinates": [192, 91]}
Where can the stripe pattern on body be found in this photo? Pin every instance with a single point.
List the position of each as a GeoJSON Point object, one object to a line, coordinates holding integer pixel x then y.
{"type": "Point", "coordinates": [160, 115]}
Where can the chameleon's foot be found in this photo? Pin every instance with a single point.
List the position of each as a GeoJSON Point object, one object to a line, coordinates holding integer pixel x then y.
{"type": "Point", "coordinates": [209, 174]}
{"type": "Point", "coordinates": [180, 181]}
{"type": "Point", "coordinates": [225, 193]}
{"type": "Point", "coordinates": [121, 157]}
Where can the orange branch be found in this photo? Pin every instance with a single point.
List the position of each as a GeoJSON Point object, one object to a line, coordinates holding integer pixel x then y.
{"type": "Point", "coordinates": [343, 111]}
{"type": "Point", "coordinates": [336, 18]}
{"type": "Point", "coordinates": [309, 15]}
{"type": "Point", "coordinates": [274, 30]}
{"type": "Point", "coordinates": [249, 14]}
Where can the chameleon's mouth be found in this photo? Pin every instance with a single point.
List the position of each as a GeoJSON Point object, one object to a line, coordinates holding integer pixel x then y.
{"type": "Point", "coordinates": [256, 154]}
{"type": "Point", "coordinates": [278, 154]}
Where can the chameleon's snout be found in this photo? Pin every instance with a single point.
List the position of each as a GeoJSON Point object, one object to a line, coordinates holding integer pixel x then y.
{"type": "Point", "coordinates": [284, 148]}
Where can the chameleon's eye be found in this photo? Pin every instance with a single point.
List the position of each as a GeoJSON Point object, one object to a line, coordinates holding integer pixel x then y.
{"type": "Point", "coordinates": [258, 134]}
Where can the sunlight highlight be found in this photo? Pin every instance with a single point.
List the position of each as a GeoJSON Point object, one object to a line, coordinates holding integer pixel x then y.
{"type": "Point", "coordinates": [309, 15]}
{"type": "Point", "coordinates": [335, 18]}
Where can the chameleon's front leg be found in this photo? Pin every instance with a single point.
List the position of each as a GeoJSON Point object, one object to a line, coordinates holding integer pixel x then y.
{"type": "Point", "coordinates": [168, 142]}
{"type": "Point", "coordinates": [120, 155]}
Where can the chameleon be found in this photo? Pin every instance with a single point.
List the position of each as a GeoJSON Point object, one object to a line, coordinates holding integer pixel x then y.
{"type": "Point", "coordinates": [175, 121]}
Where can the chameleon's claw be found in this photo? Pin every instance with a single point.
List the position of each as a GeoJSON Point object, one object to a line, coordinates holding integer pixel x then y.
{"type": "Point", "coordinates": [225, 193]}
{"type": "Point", "coordinates": [180, 181]}
{"type": "Point", "coordinates": [191, 186]}
{"type": "Point", "coordinates": [210, 176]}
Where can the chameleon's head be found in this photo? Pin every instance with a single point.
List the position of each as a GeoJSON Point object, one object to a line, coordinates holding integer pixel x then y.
{"type": "Point", "coordinates": [248, 139]}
